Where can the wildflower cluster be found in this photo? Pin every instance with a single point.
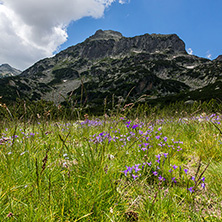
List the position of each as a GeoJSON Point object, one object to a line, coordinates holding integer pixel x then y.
{"type": "Point", "coordinates": [158, 166]}
{"type": "Point", "coordinates": [132, 171]}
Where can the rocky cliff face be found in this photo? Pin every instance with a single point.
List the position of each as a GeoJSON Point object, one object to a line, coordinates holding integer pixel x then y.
{"type": "Point", "coordinates": [109, 65]}
{"type": "Point", "coordinates": [6, 70]}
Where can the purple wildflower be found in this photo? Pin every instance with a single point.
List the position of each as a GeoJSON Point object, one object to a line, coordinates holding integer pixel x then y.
{"type": "Point", "coordinates": [174, 167]}
{"type": "Point", "coordinates": [135, 126]}
{"type": "Point", "coordinates": [134, 176]}
{"type": "Point", "coordinates": [128, 170]}
{"type": "Point", "coordinates": [165, 155]}
{"type": "Point", "coordinates": [203, 179]}
{"type": "Point", "coordinates": [173, 179]}
{"type": "Point", "coordinates": [155, 173]}
{"type": "Point", "coordinates": [158, 156]}
{"type": "Point", "coordinates": [161, 178]}
{"type": "Point", "coordinates": [190, 189]}
{"type": "Point", "coordinates": [132, 134]}
{"type": "Point", "coordinates": [185, 170]}
{"type": "Point", "coordinates": [140, 132]}
{"type": "Point", "coordinates": [147, 138]}
{"type": "Point", "coordinates": [203, 185]}
{"type": "Point", "coordinates": [136, 168]}
{"type": "Point", "coordinates": [165, 138]}
{"type": "Point", "coordinates": [125, 172]}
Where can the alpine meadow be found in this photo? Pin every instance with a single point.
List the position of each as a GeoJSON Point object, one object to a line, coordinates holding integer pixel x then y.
{"type": "Point", "coordinates": [104, 127]}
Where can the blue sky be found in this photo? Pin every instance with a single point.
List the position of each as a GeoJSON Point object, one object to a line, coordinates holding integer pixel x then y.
{"type": "Point", "coordinates": [32, 30]}
{"type": "Point", "coordinates": [197, 23]}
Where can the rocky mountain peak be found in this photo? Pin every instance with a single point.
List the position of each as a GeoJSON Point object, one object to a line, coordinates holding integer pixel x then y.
{"type": "Point", "coordinates": [106, 34]}
{"type": "Point", "coordinates": [108, 43]}
{"type": "Point", "coordinates": [6, 70]}
{"type": "Point", "coordinates": [5, 66]}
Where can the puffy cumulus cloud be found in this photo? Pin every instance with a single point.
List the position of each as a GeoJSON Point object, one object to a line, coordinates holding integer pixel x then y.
{"type": "Point", "coordinates": [190, 51]}
{"type": "Point", "coordinates": [31, 30]}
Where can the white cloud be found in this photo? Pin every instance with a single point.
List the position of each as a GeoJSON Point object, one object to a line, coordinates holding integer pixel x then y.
{"type": "Point", "coordinates": [31, 29]}
{"type": "Point", "coordinates": [190, 51]}
{"type": "Point", "coordinates": [208, 55]}
{"type": "Point", "coordinates": [123, 1]}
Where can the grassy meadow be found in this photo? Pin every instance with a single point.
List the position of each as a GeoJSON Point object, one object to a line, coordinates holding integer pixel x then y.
{"type": "Point", "coordinates": [116, 167]}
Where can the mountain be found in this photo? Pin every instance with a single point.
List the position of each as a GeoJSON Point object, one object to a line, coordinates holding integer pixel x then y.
{"type": "Point", "coordinates": [6, 70]}
{"type": "Point", "coordinates": [219, 58]}
{"type": "Point", "coordinates": [109, 65]}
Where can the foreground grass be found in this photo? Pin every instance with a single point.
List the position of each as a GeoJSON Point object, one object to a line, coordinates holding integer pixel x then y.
{"type": "Point", "coordinates": [112, 169]}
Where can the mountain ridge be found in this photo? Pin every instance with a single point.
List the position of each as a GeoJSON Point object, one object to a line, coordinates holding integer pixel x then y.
{"type": "Point", "coordinates": [108, 65]}
{"type": "Point", "coordinates": [6, 70]}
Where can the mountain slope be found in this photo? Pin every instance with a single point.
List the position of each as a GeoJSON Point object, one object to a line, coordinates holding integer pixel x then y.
{"type": "Point", "coordinates": [6, 70]}
{"type": "Point", "coordinates": [109, 65]}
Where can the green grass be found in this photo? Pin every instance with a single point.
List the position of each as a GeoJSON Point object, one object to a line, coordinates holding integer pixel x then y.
{"type": "Point", "coordinates": [76, 171]}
